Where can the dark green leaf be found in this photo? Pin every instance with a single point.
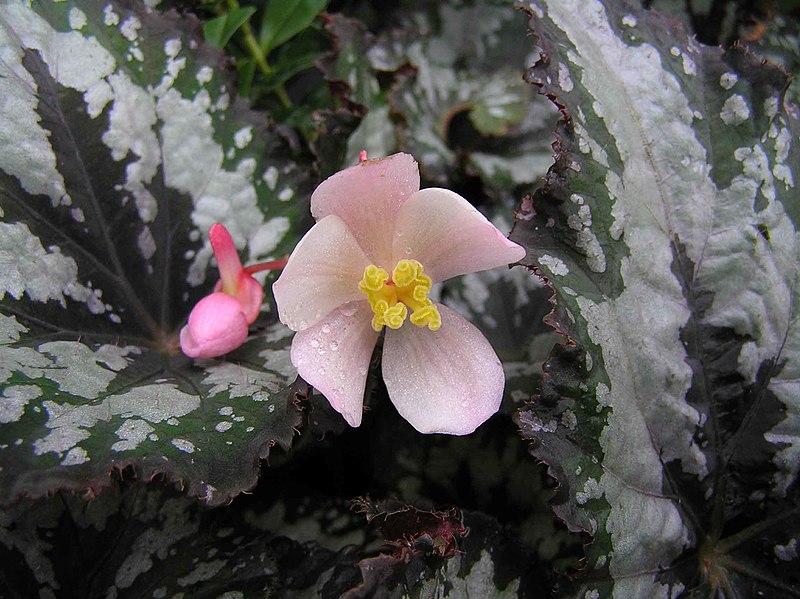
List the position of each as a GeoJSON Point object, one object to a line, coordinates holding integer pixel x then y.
{"type": "Point", "coordinates": [138, 540]}
{"type": "Point", "coordinates": [121, 147]}
{"type": "Point", "coordinates": [354, 83]}
{"type": "Point", "coordinates": [147, 540]}
{"type": "Point", "coordinates": [295, 56]}
{"type": "Point", "coordinates": [668, 230]}
{"type": "Point", "coordinates": [283, 19]}
{"type": "Point", "coordinates": [347, 68]}
{"type": "Point", "coordinates": [780, 44]}
{"type": "Point", "coordinates": [219, 31]}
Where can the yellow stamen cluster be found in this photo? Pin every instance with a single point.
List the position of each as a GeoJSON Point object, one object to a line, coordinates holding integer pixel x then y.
{"type": "Point", "coordinates": [392, 298]}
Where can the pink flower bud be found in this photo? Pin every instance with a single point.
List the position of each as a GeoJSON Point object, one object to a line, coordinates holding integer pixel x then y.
{"type": "Point", "coordinates": [249, 293]}
{"type": "Point", "coordinates": [217, 325]}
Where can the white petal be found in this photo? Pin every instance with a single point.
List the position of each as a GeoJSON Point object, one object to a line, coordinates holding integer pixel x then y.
{"type": "Point", "coordinates": [322, 273]}
{"type": "Point", "coordinates": [333, 357]}
{"type": "Point", "coordinates": [449, 237]}
{"type": "Point", "coordinates": [367, 196]}
{"type": "Point", "coordinates": [447, 381]}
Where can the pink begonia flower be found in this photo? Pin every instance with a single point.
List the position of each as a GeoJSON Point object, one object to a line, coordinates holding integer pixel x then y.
{"type": "Point", "coordinates": [368, 263]}
{"type": "Point", "coordinates": [218, 322]}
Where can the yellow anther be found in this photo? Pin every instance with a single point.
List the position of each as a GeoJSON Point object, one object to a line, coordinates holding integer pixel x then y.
{"type": "Point", "coordinates": [391, 299]}
{"type": "Point", "coordinates": [394, 316]}
{"type": "Point", "coordinates": [374, 278]}
{"type": "Point", "coordinates": [420, 293]}
{"type": "Point", "coordinates": [406, 272]}
{"type": "Point", "coordinates": [427, 317]}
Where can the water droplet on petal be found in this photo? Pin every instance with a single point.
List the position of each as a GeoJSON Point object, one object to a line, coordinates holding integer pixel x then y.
{"type": "Point", "coordinates": [314, 342]}
{"type": "Point", "coordinates": [326, 329]}
{"type": "Point", "coordinates": [333, 345]}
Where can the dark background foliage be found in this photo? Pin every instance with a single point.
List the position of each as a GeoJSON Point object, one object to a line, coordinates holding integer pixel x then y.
{"type": "Point", "coordinates": [379, 510]}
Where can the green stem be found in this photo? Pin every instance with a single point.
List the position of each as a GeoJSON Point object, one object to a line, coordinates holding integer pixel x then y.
{"type": "Point", "coordinates": [259, 56]}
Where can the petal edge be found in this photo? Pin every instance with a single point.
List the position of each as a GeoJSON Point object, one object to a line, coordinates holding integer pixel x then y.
{"type": "Point", "coordinates": [449, 381]}
{"type": "Point", "coordinates": [333, 356]}
{"type": "Point", "coordinates": [322, 273]}
{"type": "Point", "coordinates": [449, 236]}
{"type": "Point", "coordinates": [367, 197]}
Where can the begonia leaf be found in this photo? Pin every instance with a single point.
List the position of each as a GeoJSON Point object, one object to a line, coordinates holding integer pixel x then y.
{"type": "Point", "coordinates": [446, 86]}
{"type": "Point", "coordinates": [780, 44]}
{"type": "Point", "coordinates": [149, 540]}
{"type": "Point", "coordinates": [668, 229]}
{"type": "Point", "coordinates": [138, 540]}
{"type": "Point", "coordinates": [470, 66]}
{"type": "Point", "coordinates": [353, 81]}
{"type": "Point", "coordinates": [121, 145]}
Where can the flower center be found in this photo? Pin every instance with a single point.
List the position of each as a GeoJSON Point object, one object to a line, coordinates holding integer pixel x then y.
{"type": "Point", "coordinates": [391, 298]}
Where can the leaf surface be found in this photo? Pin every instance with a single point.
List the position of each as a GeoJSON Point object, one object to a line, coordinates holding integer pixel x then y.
{"type": "Point", "coordinates": [283, 19]}
{"type": "Point", "coordinates": [121, 145]}
{"type": "Point", "coordinates": [668, 229]}
{"type": "Point", "coordinates": [220, 30]}
{"type": "Point", "coordinates": [148, 540]}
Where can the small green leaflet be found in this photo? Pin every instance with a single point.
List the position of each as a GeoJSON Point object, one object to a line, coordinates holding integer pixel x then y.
{"type": "Point", "coordinates": [283, 19]}
{"type": "Point", "coordinates": [220, 30]}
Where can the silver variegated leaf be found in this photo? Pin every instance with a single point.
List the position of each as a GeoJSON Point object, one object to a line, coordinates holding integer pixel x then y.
{"type": "Point", "coordinates": [668, 229]}
{"type": "Point", "coordinates": [121, 144]}
{"type": "Point", "coordinates": [466, 103]}
{"type": "Point", "coordinates": [148, 540]}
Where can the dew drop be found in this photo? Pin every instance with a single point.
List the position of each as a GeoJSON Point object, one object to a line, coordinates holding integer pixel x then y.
{"type": "Point", "coordinates": [314, 342]}
{"type": "Point", "coordinates": [326, 329]}
{"type": "Point", "coordinates": [362, 371]}
{"type": "Point", "coordinates": [321, 351]}
{"type": "Point", "coordinates": [333, 345]}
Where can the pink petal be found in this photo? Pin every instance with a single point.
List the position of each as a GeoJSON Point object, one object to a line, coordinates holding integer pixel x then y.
{"type": "Point", "coordinates": [333, 357]}
{"type": "Point", "coordinates": [449, 237]}
{"type": "Point", "coordinates": [322, 273]}
{"type": "Point", "coordinates": [227, 257]}
{"type": "Point", "coordinates": [216, 326]}
{"type": "Point", "coordinates": [366, 196]}
{"type": "Point", "coordinates": [447, 381]}
{"type": "Point", "coordinates": [249, 294]}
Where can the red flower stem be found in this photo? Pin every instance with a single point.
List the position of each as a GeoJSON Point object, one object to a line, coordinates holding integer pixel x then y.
{"type": "Point", "coordinates": [271, 265]}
